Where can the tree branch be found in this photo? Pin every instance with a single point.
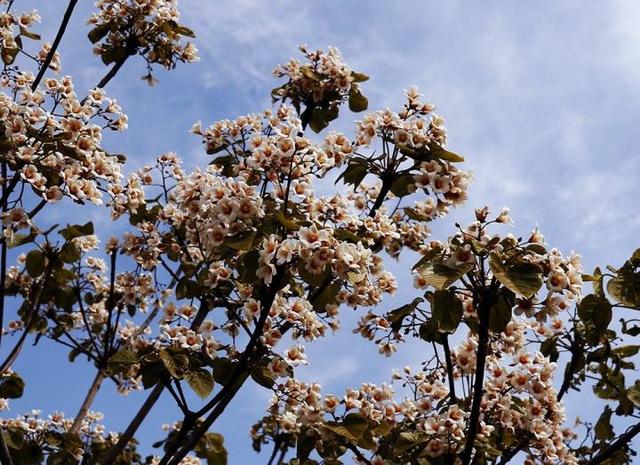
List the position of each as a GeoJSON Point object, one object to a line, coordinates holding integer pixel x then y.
{"type": "Point", "coordinates": [111, 454]}
{"type": "Point", "coordinates": [54, 46]}
{"type": "Point", "coordinates": [486, 302]}
{"type": "Point", "coordinates": [238, 377]}
{"type": "Point", "coordinates": [447, 356]}
{"type": "Point", "coordinates": [88, 401]}
{"type": "Point", "coordinates": [5, 456]}
{"type": "Point", "coordinates": [615, 446]}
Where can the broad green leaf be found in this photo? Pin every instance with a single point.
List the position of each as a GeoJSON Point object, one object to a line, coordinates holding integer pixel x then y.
{"type": "Point", "coordinates": [320, 118]}
{"type": "Point", "coordinates": [99, 32]}
{"type": "Point", "coordinates": [603, 428]}
{"type": "Point", "coordinates": [175, 364]}
{"type": "Point", "coordinates": [70, 253]}
{"type": "Point", "coordinates": [446, 310]}
{"type": "Point", "coordinates": [395, 317]}
{"type": "Point", "coordinates": [243, 243]}
{"type": "Point", "coordinates": [625, 287]}
{"type": "Point", "coordinates": [211, 448]}
{"type": "Point", "coordinates": [76, 230]}
{"type": "Point", "coordinates": [327, 296]}
{"type": "Point", "coordinates": [441, 276]}
{"type": "Point", "coordinates": [352, 426]}
{"type": "Point", "coordinates": [11, 387]}
{"type": "Point", "coordinates": [359, 77]}
{"type": "Point", "coordinates": [200, 381]}
{"type": "Point", "coordinates": [26, 33]}
{"type": "Point", "coordinates": [626, 351]}
{"type": "Point", "coordinates": [442, 154]}
{"type": "Point", "coordinates": [595, 310]}
{"type": "Point", "coordinates": [499, 315]}
{"type": "Point", "coordinates": [343, 234]}
{"type": "Point", "coordinates": [407, 440]}
{"type": "Point", "coordinates": [400, 185]}
{"type": "Point", "coordinates": [35, 263]}
{"type": "Point", "coordinates": [523, 278]}
{"type": "Point", "coordinates": [357, 101]}
{"type": "Point", "coordinates": [124, 357]}
{"type": "Point", "coordinates": [430, 332]}
{"type": "Point", "coordinates": [354, 173]}
{"type": "Point", "coordinates": [633, 394]}
{"type": "Point", "coordinates": [286, 222]}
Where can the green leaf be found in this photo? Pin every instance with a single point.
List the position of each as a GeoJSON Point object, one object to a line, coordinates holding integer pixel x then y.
{"type": "Point", "coordinates": [76, 230]}
{"type": "Point", "coordinates": [357, 101]}
{"type": "Point", "coordinates": [184, 31]}
{"type": "Point", "coordinates": [625, 287]}
{"type": "Point", "coordinates": [407, 440]}
{"type": "Point", "coordinates": [633, 394]}
{"type": "Point", "coordinates": [523, 278]}
{"type": "Point", "coordinates": [211, 448]}
{"type": "Point", "coordinates": [70, 253]}
{"type": "Point", "coordinates": [175, 364]}
{"type": "Point", "coordinates": [626, 351]}
{"type": "Point", "coordinates": [262, 375]}
{"type": "Point", "coordinates": [244, 242]}
{"type": "Point", "coordinates": [442, 154]}
{"type": "Point", "coordinates": [446, 310]}
{"type": "Point", "coordinates": [9, 55]}
{"type": "Point", "coordinates": [499, 315]}
{"type": "Point", "coordinates": [343, 234]}
{"type": "Point", "coordinates": [327, 296]}
{"type": "Point", "coordinates": [549, 348]}
{"type": "Point", "coordinates": [315, 279]}
{"type": "Point", "coordinates": [99, 32]}
{"type": "Point", "coordinates": [124, 357]}
{"type": "Point", "coordinates": [354, 173]}
{"type": "Point", "coordinates": [35, 263]}
{"type": "Point", "coordinates": [321, 117]}
{"type": "Point", "coordinates": [359, 77]}
{"type": "Point", "coordinates": [11, 387]}
{"type": "Point", "coordinates": [427, 258]}
{"type": "Point", "coordinates": [603, 428]}
{"type": "Point", "coordinates": [400, 185]}
{"type": "Point", "coordinates": [441, 276]}
{"type": "Point", "coordinates": [352, 427]}
{"type": "Point", "coordinates": [29, 34]}
{"type": "Point", "coordinates": [429, 332]}
{"type": "Point", "coordinates": [413, 214]}
{"type": "Point", "coordinates": [395, 317]}
{"type": "Point", "coordinates": [289, 224]}
{"type": "Point", "coordinates": [222, 370]}
{"type": "Point", "coordinates": [596, 311]}
{"type": "Point", "coordinates": [200, 381]}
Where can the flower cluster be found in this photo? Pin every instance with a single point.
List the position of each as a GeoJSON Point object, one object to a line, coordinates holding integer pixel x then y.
{"type": "Point", "coordinates": [413, 161]}
{"type": "Point", "coordinates": [150, 28]}
{"type": "Point", "coordinates": [518, 398]}
{"type": "Point", "coordinates": [57, 152]}
{"type": "Point", "coordinates": [14, 29]}
{"type": "Point", "coordinates": [28, 431]}
{"type": "Point", "coordinates": [323, 82]}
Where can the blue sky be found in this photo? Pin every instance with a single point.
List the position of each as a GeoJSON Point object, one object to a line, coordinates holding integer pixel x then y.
{"type": "Point", "coordinates": [540, 97]}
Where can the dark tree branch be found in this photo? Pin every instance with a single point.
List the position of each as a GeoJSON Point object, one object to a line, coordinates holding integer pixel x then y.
{"type": "Point", "coordinates": [237, 379]}
{"type": "Point", "coordinates": [615, 446]}
{"type": "Point", "coordinates": [447, 356]}
{"type": "Point", "coordinates": [5, 456]}
{"type": "Point", "coordinates": [487, 299]}
{"type": "Point", "coordinates": [54, 46]}
{"type": "Point", "coordinates": [111, 454]}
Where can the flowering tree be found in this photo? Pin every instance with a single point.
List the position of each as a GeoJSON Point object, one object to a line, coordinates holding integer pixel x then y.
{"type": "Point", "coordinates": [221, 275]}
